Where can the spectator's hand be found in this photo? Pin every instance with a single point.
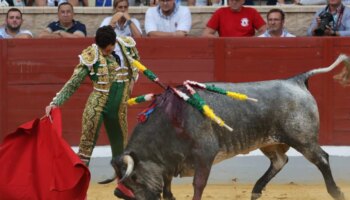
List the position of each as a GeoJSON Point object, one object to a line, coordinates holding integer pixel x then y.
{"type": "Point", "coordinates": [57, 33]}
{"type": "Point", "coordinates": [126, 15]}
{"type": "Point", "coordinates": [318, 20]}
{"type": "Point", "coordinates": [180, 33]}
{"type": "Point", "coordinates": [328, 31]}
{"type": "Point", "coordinates": [116, 17]}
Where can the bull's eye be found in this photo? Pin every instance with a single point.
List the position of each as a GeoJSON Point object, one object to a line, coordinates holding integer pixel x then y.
{"type": "Point", "coordinates": [134, 178]}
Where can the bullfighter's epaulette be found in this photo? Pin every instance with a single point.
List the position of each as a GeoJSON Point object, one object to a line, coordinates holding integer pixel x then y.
{"type": "Point", "coordinates": [89, 56]}
{"type": "Point", "coordinates": [128, 45]}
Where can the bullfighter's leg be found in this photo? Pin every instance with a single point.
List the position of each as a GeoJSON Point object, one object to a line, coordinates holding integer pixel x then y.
{"type": "Point", "coordinates": [315, 154]}
{"type": "Point", "coordinates": [278, 158]}
{"type": "Point", "coordinates": [91, 123]}
{"type": "Point", "coordinates": [115, 118]}
{"type": "Point", "coordinates": [167, 194]}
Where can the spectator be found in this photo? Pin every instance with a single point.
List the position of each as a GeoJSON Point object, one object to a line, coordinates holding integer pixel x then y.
{"type": "Point", "coordinates": [121, 21]}
{"type": "Point", "coordinates": [275, 24]}
{"type": "Point", "coordinates": [168, 19]}
{"type": "Point", "coordinates": [235, 21]}
{"type": "Point", "coordinates": [333, 20]}
{"type": "Point", "coordinates": [66, 26]}
{"type": "Point", "coordinates": [12, 26]}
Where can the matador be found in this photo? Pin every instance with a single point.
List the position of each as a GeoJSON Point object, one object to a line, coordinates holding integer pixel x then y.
{"type": "Point", "coordinates": [112, 77]}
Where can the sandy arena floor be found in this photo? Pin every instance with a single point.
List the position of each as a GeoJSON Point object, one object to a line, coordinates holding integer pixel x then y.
{"type": "Point", "coordinates": [235, 191]}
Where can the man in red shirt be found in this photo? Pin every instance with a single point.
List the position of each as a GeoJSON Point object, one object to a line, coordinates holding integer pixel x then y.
{"type": "Point", "coordinates": [235, 21]}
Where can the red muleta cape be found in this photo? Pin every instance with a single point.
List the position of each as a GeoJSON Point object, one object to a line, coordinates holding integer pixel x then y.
{"type": "Point", "coordinates": [37, 164]}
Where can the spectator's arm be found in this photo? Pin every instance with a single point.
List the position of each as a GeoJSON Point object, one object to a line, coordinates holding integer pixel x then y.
{"type": "Point", "coordinates": [346, 32]}
{"type": "Point", "coordinates": [314, 24]}
{"type": "Point", "coordinates": [135, 32]}
{"type": "Point", "coordinates": [48, 34]}
{"type": "Point", "coordinates": [209, 32]}
{"type": "Point", "coordinates": [167, 34]}
{"type": "Point", "coordinates": [24, 36]}
{"type": "Point", "coordinates": [133, 24]}
{"type": "Point", "coordinates": [185, 22]}
{"type": "Point", "coordinates": [261, 30]}
{"type": "Point", "coordinates": [115, 18]}
{"type": "Point", "coordinates": [76, 34]}
{"type": "Point", "coordinates": [342, 33]}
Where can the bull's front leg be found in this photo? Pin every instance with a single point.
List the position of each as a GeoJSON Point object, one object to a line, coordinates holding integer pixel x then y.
{"type": "Point", "coordinates": [202, 164]}
{"type": "Point", "coordinates": [167, 194]}
{"type": "Point", "coordinates": [200, 180]}
{"type": "Point", "coordinates": [203, 154]}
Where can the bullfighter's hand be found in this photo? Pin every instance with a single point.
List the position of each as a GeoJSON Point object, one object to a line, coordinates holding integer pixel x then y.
{"type": "Point", "coordinates": [48, 111]}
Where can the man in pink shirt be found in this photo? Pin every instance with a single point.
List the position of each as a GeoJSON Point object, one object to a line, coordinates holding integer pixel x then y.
{"type": "Point", "coordinates": [235, 21]}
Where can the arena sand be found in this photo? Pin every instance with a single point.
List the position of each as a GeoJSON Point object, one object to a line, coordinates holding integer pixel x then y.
{"type": "Point", "coordinates": [236, 191]}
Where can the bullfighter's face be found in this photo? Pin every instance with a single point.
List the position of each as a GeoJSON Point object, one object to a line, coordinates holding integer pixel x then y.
{"type": "Point", "coordinates": [144, 183]}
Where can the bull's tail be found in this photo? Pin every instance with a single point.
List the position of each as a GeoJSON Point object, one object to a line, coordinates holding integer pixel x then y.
{"type": "Point", "coordinates": [341, 58]}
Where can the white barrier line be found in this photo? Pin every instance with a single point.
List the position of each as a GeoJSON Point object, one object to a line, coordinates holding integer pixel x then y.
{"type": "Point", "coordinates": [105, 151]}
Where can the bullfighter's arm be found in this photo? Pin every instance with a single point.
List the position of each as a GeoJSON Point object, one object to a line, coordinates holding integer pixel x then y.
{"type": "Point", "coordinates": [79, 74]}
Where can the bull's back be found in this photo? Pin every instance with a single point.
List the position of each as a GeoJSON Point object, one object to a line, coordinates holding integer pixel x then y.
{"type": "Point", "coordinates": [282, 106]}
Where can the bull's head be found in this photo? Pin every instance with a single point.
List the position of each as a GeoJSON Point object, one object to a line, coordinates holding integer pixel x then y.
{"type": "Point", "coordinates": [138, 180]}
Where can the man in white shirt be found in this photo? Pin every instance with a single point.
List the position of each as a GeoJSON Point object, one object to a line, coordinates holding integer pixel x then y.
{"type": "Point", "coordinates": [275, 24]}
{"type": "Point", "coordinates": [168, 19]}
{"type": "Point", "coordinates": [12, 27]}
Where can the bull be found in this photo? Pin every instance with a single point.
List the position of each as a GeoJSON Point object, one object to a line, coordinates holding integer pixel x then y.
{"type": "Point", "coordinates": [178, 140]}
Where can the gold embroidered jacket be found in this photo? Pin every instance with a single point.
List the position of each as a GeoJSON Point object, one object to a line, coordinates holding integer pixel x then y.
{"type": "Point", "coordinates": [102, 70]}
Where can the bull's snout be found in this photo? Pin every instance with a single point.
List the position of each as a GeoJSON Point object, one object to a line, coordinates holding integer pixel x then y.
{"type": "Point", "coordinates": [123, 192]}
{"type": "Point", "coordinates": [118, 193]}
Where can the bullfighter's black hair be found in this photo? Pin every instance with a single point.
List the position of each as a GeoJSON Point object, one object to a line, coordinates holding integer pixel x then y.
{"type": "Point", "coordinates": [105, 36]}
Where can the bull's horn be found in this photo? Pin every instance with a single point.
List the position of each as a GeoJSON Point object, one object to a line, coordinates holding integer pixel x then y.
{"type": "Point", "coordinates": [108, 180]}
{"type": "Point", "coordinates": [130, 166]}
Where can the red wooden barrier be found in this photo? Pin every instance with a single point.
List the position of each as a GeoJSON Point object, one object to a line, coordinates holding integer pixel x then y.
{"type": "Point", "coordinates": [32, 71]}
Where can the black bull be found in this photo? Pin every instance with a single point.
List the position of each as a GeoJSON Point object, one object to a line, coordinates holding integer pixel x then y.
{"type": "Point", "coordinates": [177, 139]}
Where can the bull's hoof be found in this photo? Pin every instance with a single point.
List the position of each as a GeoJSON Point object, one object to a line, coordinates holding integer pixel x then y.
{"type": "Point", "coordinates": [169, 198]}
{"type": "Point", "coordinates": [255, 196]}
{"type": "Point", "coordinates": [337, 194]}
{"type": "Point", "coordinates": [341, 196]}
{"type": "Point", "coordinates": [172, 198]}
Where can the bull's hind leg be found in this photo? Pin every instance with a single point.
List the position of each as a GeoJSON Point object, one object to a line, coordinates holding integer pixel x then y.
{"type": "Point", "coordinates": [315, 154]}
{"type": "Point", "coordinates": [278, 158]}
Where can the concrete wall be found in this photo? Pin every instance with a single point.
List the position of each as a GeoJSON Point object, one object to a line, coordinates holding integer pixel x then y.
{"type": "Point", "coordinates": [298, 18]}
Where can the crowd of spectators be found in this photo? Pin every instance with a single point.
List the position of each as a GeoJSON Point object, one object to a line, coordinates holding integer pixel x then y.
{"type": "Point", "coordinates": [169, 18]}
